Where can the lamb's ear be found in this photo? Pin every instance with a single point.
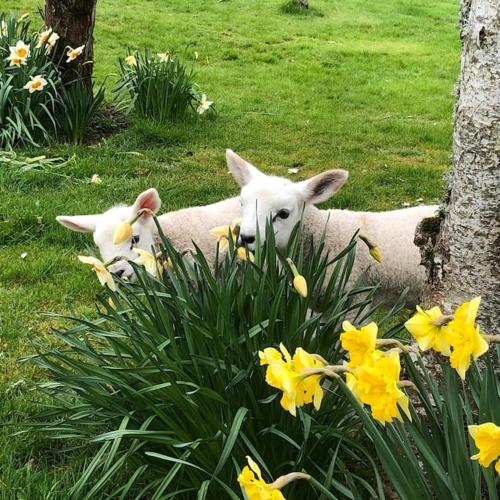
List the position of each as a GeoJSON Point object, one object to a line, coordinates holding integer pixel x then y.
{"type": "Point", "coordinates": [243, 172]}
{"type": "Point", "coordinates": [149, 199]}
{"type": "Point", "coordinates": [80, 223]}
{"type": "Point", "coordinates": [320, 187]}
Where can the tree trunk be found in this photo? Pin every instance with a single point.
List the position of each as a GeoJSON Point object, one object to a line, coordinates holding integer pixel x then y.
{"type": "Point", "coordinates": [74, 21]}
{"type": "Point", "coordinates": [461, 248]}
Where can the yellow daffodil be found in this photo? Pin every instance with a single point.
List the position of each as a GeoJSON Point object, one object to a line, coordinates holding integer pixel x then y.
{"type": "Point", "coordinates": [131, 60]}
{"type": "Point", "coordinates": [244, 254]}
{"type": "Point", "coordinates": [164, 57]}
{"type": "Point", "coordinates": [19, 53]}
{"type": "Point", "coordinates": [299, 282]}
{"type": "Point", "coordinates": [376, 253]}
{"type": "Point", "coordinates": [463, 335]}
{"type": "Point", "coordinates": [359, 343]}
{"type": "Point", "coordinates": [487, 440]}
{"type": "Point", "coordinates": [375, 383]}
{"type": "Point", "coordinates": [220, 233]}
{"type": "Point", "coordinates": [72, 54]}
{"type": "Point", "coordinates": [95, 179]}
{"type": "Point", "coordinates": [373, 249]}
{"type": "Point", "coordinates": [43, 37]}
{"type": "Point", "coordinates": [123, 232]}
{"type": "Point", "coordinates": [148, 260]}
{"type": "Point", "coordinates": [203, 105]}
{"type": "Point", "coordinates": [290, 376]}
{"type": "Point", "coordinates": [35, 84]}
{"type": "Point", "coordinates": [429, 330]}
{"type": "Point", "coordinates": [255, 487]}
{"type": "Point", "coordinates": [102, 272]}
{"type": "Point", "coordinates": [52, 41]}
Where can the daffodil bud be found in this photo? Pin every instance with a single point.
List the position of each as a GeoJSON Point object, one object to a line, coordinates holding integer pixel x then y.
{"type": "Point", "coordinates": [374, 250]}
{"type": "Point", "coordinates": [111, 304]}
{"type": "Point", "coordinates": [300, 284]}
{"type": "Point", "coordinates": [376, 253]}
{"type": "Point", "coordinates": [123, 232]}
{"type": "Point", "coordinates": [243, 254]}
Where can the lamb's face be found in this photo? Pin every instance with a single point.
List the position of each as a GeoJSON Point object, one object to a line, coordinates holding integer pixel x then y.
{"type": "Point", "coordinates": [103, 227]}
{"type": "Point", "coordinates": [265, 198]}
{"type": "Point", "coordinates": [269, 199]}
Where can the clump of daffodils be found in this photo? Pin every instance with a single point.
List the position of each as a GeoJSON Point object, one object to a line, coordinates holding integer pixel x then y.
{"type": "Point", "coordinates": [487, 440]}
{"type": "Point", "coordinates": [256, 488]}
{"type": "Point", "coordinates": [457, 336]}
{"type": "Point", "coordinates": [373, 375]}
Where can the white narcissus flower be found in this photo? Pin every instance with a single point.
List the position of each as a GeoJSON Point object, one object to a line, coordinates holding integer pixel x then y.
{"type": "Point", "coordinates": [52, 41]}
{"type": "Point", "coordinates": [72, 54]}
{"type": "Point", "coordinates": [293, 170]}
{"type": "Point", "coordinates": [204, 105]}
{"type": "Point", "coordinates": [36, 83]}
{"type": "Point", "coordinates": [19, 53]}
{"type": "Point", "coordinates": [43, 37]}
{"type": "Point", "coordinates": [163, 57]}
{"type": "Point", "coordinates": [131, 60]}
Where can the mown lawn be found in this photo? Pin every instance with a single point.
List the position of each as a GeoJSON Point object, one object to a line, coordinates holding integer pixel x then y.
{"type": "Point", "coordinates": [366, 86]}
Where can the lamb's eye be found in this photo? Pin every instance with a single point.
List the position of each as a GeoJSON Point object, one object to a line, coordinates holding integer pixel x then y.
{"type": "Point", "coordinates": [135, 239]}
{"type": "Point", "coordinates": [283, 214]}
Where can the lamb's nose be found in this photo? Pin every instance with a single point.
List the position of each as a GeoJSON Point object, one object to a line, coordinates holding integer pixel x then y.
{"type": "Point", "coordinates": [119, 273]}
{"type": "Point", "coordinates": [247, 239]}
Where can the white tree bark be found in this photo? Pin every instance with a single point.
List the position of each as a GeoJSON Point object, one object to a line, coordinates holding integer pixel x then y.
{"type": "Point", "coordinates": [463, 258]}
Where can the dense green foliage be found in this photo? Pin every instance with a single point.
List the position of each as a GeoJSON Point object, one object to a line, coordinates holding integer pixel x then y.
{"type": "Point", "coordinates": [168, 384]}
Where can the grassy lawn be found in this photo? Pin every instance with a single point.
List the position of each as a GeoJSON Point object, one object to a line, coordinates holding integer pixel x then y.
{"type": "Point", "coordinates": [366, 86]}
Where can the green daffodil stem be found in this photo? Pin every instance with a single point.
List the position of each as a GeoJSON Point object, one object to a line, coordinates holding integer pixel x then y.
{"type": "Point", "coordinates": [282, 481]}
{"type": "Point", "coordinates": [293, 267]}
{"type": "Point", "coordinates": [495, 339]}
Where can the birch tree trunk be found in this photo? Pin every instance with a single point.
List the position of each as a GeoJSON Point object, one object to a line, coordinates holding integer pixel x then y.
{"type": "Point", "coordinates": [74, 21]}
{"type": "Point", "coordinates": [461, 248]}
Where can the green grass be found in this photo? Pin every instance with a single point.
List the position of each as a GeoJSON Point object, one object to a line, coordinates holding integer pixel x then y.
{"type": "Point", "coordinates": [366, 86]}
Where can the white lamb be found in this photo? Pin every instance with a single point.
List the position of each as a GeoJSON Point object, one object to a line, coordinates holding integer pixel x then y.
{"type": "Point", "coordinates": [182, 227]}
{"type": "Point", "coordinates": [266, 197]}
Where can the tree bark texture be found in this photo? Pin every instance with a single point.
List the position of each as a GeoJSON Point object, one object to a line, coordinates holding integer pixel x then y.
{"type": "Point", "coordinates": [74, 21]}
{"type": "Point", "coordinates": [461, 248]}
